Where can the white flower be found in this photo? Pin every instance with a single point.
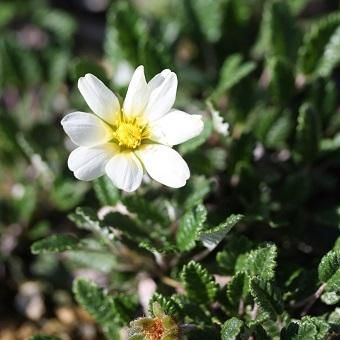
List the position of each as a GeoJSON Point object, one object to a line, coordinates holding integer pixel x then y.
{"type": "Point", "coordinates": [124, 142]}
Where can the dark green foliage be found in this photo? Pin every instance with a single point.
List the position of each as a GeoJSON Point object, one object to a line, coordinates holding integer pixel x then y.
{"type": "Point", "coordinates": [280, 33]}
{"type": "Point", "coordinates": [107, 194]}
{"type": "Point", "coordinates": [267, 297]}
{"type": "Point", "coordinates": [109, 311]}
{"type": "Point", "coordinates": [213, 236]}
{"type": "Point", "coordinates": [308, 132]}
{"type": "Point", "coordinates": [55, 244]}
{"type": "Point", "coordinates": [189, 228]}
{"type": "Point", "coordinates": [231, 329]}
{"type": "Point", "coordinates": [260, 262]}
{"type": "Point", "coordinates": [199, 284]}
{"type": "Point", "coordinates": [232, 71]}
{"type": "Point", "coordinates": [238, 288]}
{"type": "Point", "coordinates": [282, 83]}
{"type": "Point", "coordinates": [329, 271]}
{"type": "Point", "coordinates": [247, 248]}
{"type": "Point", "coordinates": [316, 40]}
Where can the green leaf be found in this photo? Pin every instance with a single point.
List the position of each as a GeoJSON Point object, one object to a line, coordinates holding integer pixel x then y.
{"type": "Point", "coordinates": [200, 286]}
{"type": "Point", "coordinates": [331, 55]}
{"type": "Point", "coordinates": [168, 305]}
{"type": "Point", "coordinates": [238, 288]}
{"type": "Point", "coordinates": [291, 330]}
{"type": "Point", "coordinates": [86, 218]}
{"type": "Point", "coordinates": [311, 328]}
{"type": "Point", "coordinates": [111, 312]}
{"type": "Point", "coordinates": [55, 244]}
{"type": "Point", "coordinates": [106, 192]}
{"type": "Point", "coordinates": [94, 300]}
{"type": "Point", "coordinates": [209, 14]}
{"type": "Point", "coordinates": [308, 132]}
{"type": "Point", "coordinates": [282, 80]}
{"type": "Point", "coordinates": [266, 297]}
{"type": "Point", "coordinates": [190, 225]}
{"type": "Point", "coordinates": [329, 270]}
{"type": "Point", "coordinates": [232, 72]}
{"type": "Point", "coordinates": [231, 329]}
{"type": "Point", "coordinates": [279, 132]}
{"type": "Point", "coordinates": [226, 259]}
{"type": "Point", "coordinates": [330, 298]}
{"type": "Point", "coordinates": [315, 42]}
{"type": "Point", "coordinates": [279, 31]}
{"type": "Point", "coordinates": [260, 262]}
{"type": "Point", "coordinates": [212, 237]}
{"type": "Point", "coordinates": [146, 210]}
{"type": "Point", "coordinates": [98, 260]}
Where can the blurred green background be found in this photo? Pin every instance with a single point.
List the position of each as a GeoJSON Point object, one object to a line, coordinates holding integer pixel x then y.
{"type": "Point", "coordinates": [270, 67]}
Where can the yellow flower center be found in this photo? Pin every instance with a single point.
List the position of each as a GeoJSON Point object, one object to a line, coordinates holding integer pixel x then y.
{"type": "Point", "coordinates": [130, 132]}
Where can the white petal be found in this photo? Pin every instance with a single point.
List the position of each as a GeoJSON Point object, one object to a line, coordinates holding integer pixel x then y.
{"type": "Point", "coordinates": [164, 165]}
{"type": "Point", "coordinates": [158, 79]}
{"type": "Point", "coordinates": [162, 98]}
{"type": "Point", "coordinates": [125, 171]}
{"type": "Point", "coordinates": [89, 163]}
{"type": "Point", "coordinates": [86, 129]}
{"type": "Point", "coordinates": [99, 97]}
{"type": "Point", "coordinates": [176, 127]}
{"type": "Point", "coordinates": [137, 94]}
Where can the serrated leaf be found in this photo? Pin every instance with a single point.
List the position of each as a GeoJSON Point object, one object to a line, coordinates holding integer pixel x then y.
{"type": "Point", "coordinates": [315, 42]}
{"type": "Point", "coordinates": [279, 32]}
{"type": "Point", "coordinates": [331, 55]}
{"type": "Point", "coordinates": [109, 311]}
{"type": "Point", "coordinates": [144, 209]}
{"type": "Point", "coordinates": [260, 262]}
{"type": "Point", "coordinates": [232, 72]}
{"type": "Point", "coordinates": [55, 244]}
{"type": "Point", "coordinates": [168, 305]}
{"type": "Point", "coordinates": [190, 225]}
{"type": "Point", "coordinates": [308, 132]}
{"type": "Point", "coordinates": [311, 328]}
{"type": "Point", "coordinates": [199, 285]}
{"type": "Point", "coordinates": [162, 249]}
{"type": "Point", "coordinates": [231, 329]}
{"type": "Point", "coordinates": [330, 298]}
{"type": "Point", "coordinates": [236, 245]}
{"type": "Point", "coordinates": [99, 260]}
{"type": "Point", "coordinates": [265, 296]}
{"type": "Point", "coordinates": [209, 14]}
{"type": "Point", "coordinates": [329, 269]}
{"type": "Point", "coordinates": [288, 332]}
{"type": "Point", "coordinates": [86, 218]}
{"type": "Point", "coordinates": [282, 80]}
{"type": "Point", "coordinates": [238, 288]}
{"type": "Point", "coordinates": [106, 192]}
{"type": "Point", "coordinates": [212, 237]}
{"type": "Point", "coordinates": [279, 131]}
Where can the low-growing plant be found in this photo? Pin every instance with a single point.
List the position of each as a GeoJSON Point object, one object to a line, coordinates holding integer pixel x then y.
{"type": "Point", "coordinates": [249, 247]}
